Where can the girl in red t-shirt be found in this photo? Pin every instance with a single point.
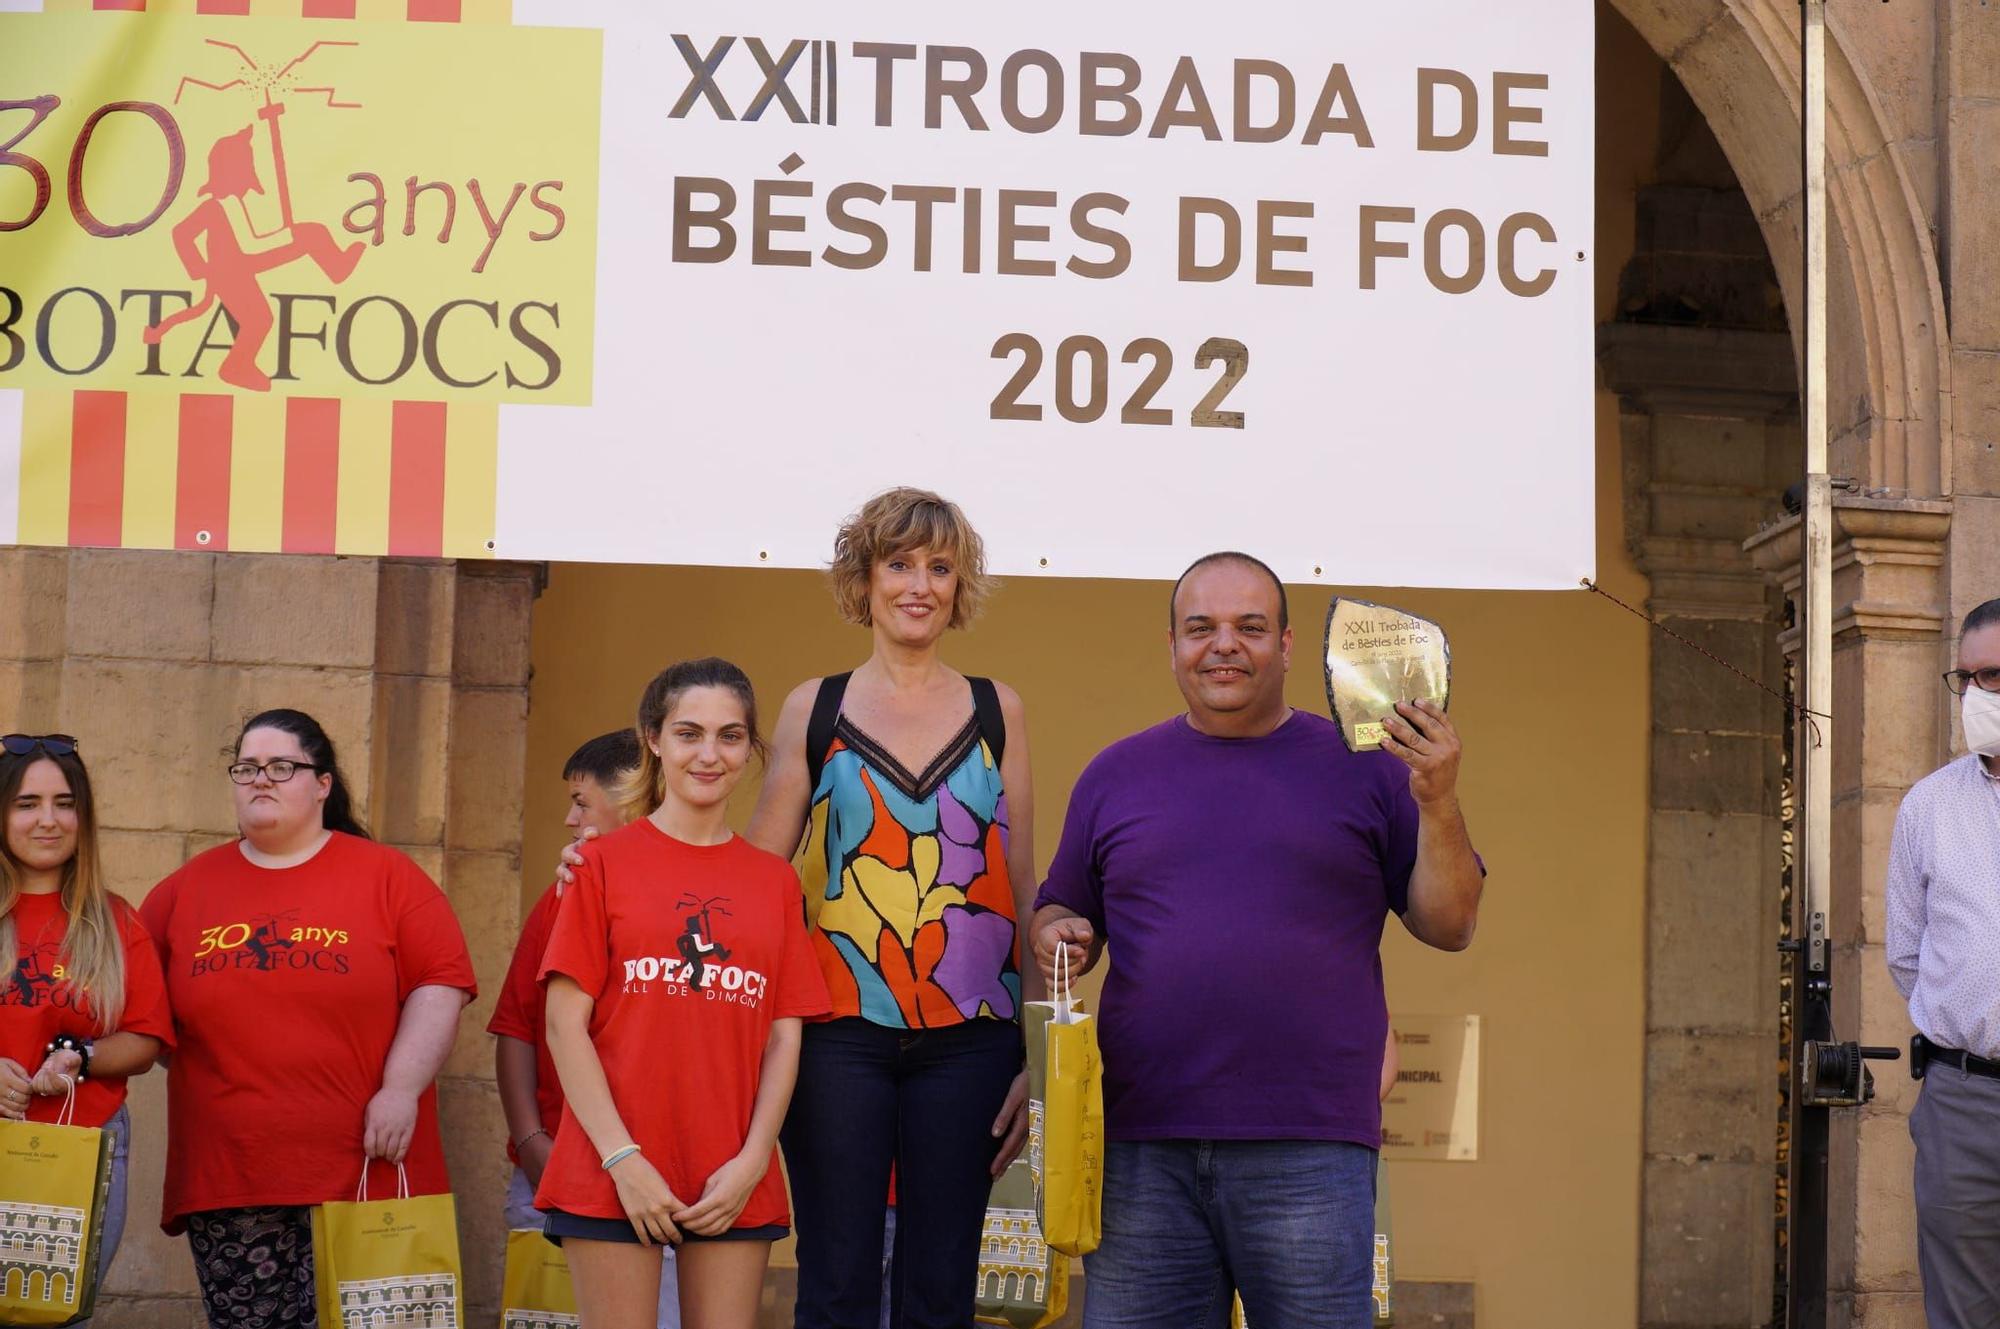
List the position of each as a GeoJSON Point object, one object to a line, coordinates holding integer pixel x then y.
{"type": "Point", "coordinates": [317, 979]}
{"type": "Point", "coordinates": [678, 974]}
{"type": "Point", "coordinates": [81, 1002]}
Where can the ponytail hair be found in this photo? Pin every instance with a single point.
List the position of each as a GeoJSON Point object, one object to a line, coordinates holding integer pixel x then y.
{"type": "Point", "coordinates": [338, 810]}
{"type": "Point", "coordinates": [642, 790]}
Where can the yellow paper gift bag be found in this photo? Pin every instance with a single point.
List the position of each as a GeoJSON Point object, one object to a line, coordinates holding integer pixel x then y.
{"type": "Point", "coordinates": [388, 1261]}
{"type": "Point", "coordinates": [1065, 1117]}
{"type": "Point", "coordinates": [1022, 1283]}
{"type": "Point", "coordinates": [536, 1293]}
{"type": "Point", "coordinates": [54, 1181]}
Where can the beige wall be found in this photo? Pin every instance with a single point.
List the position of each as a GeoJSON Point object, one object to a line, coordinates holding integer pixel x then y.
{"type": "Point", "coordinates": [1550, 691]}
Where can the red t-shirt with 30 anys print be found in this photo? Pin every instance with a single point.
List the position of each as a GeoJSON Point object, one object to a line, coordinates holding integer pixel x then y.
{"type": "Point", "coordinates": [287, 986]}
{"type": "Point", "coordinates": [690, 952]}
{"type": "Point", "coordinates": [38, 1001]}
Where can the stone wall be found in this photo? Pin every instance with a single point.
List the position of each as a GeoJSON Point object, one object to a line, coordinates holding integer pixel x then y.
{"type": "Point", "coordinates": [418, 670]}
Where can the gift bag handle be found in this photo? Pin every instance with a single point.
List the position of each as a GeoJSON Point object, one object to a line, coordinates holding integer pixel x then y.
{"type": "Point", "coordinates": [361, 1187]}
{"type": "Point", "coordinates": [66, 1116]}
{"type": "Point", "coordinates": [1064, 994]}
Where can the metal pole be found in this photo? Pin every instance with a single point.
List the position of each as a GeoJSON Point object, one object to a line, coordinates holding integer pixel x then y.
{"type": "Point", "coordinates": [1816, 810]}
{"type": "Point", "coordinates": [1813, 980]}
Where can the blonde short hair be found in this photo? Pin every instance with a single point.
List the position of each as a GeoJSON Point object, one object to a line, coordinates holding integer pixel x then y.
{"type": "Point", "coordinates": [895, 522]}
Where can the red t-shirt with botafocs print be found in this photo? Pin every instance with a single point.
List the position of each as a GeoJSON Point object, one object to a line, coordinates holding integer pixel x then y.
{"type": "Point", "coordinates": [690, 952]}
{"type": "Point", "coordinates": [287, 986]}
{"type": "Point", "coordinates": [39, 1000]}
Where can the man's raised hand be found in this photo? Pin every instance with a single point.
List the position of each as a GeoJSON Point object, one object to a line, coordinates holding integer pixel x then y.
{"type": "Point", "coordinates": [1421, 734]}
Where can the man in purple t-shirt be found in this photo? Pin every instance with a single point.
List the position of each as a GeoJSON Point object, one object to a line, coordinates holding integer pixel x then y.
{"type": "Point", "coordinates": [1241, 862]}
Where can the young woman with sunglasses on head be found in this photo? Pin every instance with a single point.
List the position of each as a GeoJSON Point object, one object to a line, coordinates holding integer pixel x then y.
{"type": "Point", "coordinates": [317, 979]}
{"type": "Point", "coordinates": [82, 1006]}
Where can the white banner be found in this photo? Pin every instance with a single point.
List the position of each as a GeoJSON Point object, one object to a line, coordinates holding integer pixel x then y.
{"type": "Point", "coordinates": [1051, 260]}
{"type": "Point", "coordinates": [686, 284]}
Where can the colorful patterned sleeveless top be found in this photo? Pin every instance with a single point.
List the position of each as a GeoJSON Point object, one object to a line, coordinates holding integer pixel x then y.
{"type": "Point", "coordinates": [906, 883]}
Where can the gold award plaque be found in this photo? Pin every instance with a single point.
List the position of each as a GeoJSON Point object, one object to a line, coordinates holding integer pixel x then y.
{"type": "Point", "coordinates": [1377, 656]}
{"type": "Point", "coordinates": [1433, 1110]}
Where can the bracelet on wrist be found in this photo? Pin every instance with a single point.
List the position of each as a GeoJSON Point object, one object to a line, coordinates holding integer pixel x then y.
{"type": "Point", "coordinates": [80, 1046]}
{"type": "Point", "coordinates": [522, 1143]}
{"type": "Point", "coordinates": [617, 1156]}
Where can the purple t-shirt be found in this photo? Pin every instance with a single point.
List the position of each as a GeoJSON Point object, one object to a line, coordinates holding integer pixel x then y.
{"type": "Point", "coordinates": [1242, 884]}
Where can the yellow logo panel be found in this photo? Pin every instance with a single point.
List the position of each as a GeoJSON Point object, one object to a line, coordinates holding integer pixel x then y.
{"type": "Point", "coordinates": [314, 208]}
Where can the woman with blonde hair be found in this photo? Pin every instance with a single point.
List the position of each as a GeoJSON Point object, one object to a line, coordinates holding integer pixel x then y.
{"type": "Point", "coordinates": [908, 783]}
{"type": "Point", "coordinates": [83, 1006]}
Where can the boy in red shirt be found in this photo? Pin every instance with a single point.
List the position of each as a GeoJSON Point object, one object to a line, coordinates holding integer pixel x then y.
{"type": "Point", "coordinates": [678, 975]}
{"type": "Point", "coordinates": [530, 1094]}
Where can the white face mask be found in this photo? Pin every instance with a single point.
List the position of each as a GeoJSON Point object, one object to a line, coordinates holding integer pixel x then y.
{"type": "Point", "coordinates": [1981, 713]}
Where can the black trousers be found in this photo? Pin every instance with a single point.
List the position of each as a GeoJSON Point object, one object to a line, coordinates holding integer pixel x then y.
{"type": "Point", "coordinates": [924, 1100]}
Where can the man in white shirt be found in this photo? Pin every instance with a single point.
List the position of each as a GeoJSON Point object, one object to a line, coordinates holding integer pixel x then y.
{"type": "Point", "coordinates": [1943, 907]}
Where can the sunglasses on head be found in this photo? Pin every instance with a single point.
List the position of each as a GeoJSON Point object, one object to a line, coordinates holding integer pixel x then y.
{"type": "Point", "coordinates": [56, 745]}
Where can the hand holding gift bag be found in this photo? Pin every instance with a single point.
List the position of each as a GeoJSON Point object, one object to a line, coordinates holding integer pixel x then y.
{"type": "Point", "coordinates": [1065, 1116]}
{"type": "Point", "coordinates": [1022, 1282]}
{"type": "Point", "coordinates": [400, 1255]}
{"type": "Point", "coordinates": [536, 1288]}
{"type": "Point", "coordinates": [54, 1182]}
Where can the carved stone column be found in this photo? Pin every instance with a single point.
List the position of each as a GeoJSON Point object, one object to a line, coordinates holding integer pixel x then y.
{"type": "Point", "coordinates": [1709, 441]}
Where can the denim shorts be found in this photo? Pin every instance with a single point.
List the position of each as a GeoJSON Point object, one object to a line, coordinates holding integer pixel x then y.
{"type": "Point", "coordinates": [561, 1223]}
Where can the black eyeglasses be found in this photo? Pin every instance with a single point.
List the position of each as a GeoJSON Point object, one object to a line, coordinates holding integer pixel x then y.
{"type": "Point", "coordinates": [277, 772]}
{"type": "Point", "coordinates": [56, 745]}
{"type": "Point", "coordinates": [1958, 680]}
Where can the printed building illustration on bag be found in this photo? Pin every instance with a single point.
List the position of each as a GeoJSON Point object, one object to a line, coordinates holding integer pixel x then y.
{"type": "Point", "coordinates": [1379, 1285]}
{"type": "Point", "coordinates": [1035, 1143]}
{"type": "Point", "coordinates": [42, 1244]}
{"type": "Point", "coordinates": [512, 1318]}
{"type": "Point", "coordinates": [419, 1301]}
{"type": "Point", "coordinates": [1013, 1262]}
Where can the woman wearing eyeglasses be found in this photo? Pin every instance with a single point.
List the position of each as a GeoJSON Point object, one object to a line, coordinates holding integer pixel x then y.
{"type": "Point", "coordinates": [82, 1006]}
{"type": "Point", "coordinates": [317, 979]}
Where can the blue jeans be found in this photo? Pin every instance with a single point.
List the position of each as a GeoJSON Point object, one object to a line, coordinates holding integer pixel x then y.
{"type": "Point", "coordinates": [1289, 1225]}
{"type": "Point", "coordinates": [120, 1130]}
{"type": "Point", "coordinates": [924, 1099]}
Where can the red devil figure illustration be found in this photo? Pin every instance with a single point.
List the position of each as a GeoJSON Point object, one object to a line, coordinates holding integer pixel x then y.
{"type": "Point", "coordinates": [217, 244]}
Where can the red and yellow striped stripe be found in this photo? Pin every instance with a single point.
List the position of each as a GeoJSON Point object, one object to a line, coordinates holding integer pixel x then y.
{"type": "Point", "coordinates": [227, 471]}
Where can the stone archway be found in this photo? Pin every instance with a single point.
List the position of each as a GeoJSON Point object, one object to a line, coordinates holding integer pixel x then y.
{"type": "Point", "coordinates": [1893, 433]}
{"type": "Point", "coordinates": [1889, 354]}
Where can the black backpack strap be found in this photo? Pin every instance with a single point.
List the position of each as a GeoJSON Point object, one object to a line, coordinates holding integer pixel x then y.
{"type": "Point", "coordinates": [819, 729]}
{"type": "Point", "coordinates": [992, 724]}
